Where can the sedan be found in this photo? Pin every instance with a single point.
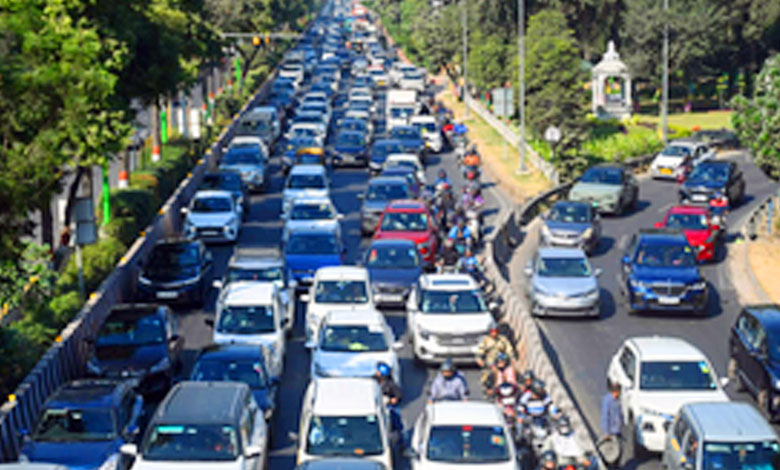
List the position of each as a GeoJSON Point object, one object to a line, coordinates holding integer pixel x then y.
{"type": "Point", "coordinates": [393, 267]}
{"type": "Point", "coordinates": [610, 188]}
{"type": "Point", "coordinates": [714, 179]}
{"type": "Point", "coordinates": [349, 147]}
{"type": "Point", "coordinates": [380, 191]}
{"type": "Point", "coordinates": [410, 137]}
{"type": "Point", "coordinates": [562, 283]}
{"type": "Point", "coordinates": [572, 224]}
{"type": "Point", "coordinates": [250, 162]}
{"type": "Point", "coordinates": [699, 228]}
{"type": "Point", "coordinates": [177, 270]}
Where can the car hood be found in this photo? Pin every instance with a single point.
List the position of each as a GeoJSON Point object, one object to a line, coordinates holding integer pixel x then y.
{"type": "Point", "coordinates": [210, 220]}
{"type": "Point", "coordinates": [594, 189]}
{"type": "Point", "coordinates": [396, 277]}
{"type": "Point", "coordinates": [669, 402]}
{"type": "Point", "coordinates": [312, 261]}
{"type": "Point", "coordinates": [169, 274]}
{"type": "Point", "coordinates": [327, 224]}
{"type": "Point", "coordinates": [141, 464]}
{"type": "Point", "coordinates": [565, 285]}
{"type": "Point", "coordinates": [697, 237]}
{"type": "Point", "coordinates": [417, 237]}
{"type": "Point", "coordinates": [556, 226]}
{"type": "Point", "coordinates": [666, 274]}
{"type": "Point", "coordinates": [508, 465]}
{"type": "Point", "coordinates": [308, 192]}
{"type": "Point", "coordinates": [242, 168]}
{"type": "Point", "coordinates": [667, 161]}
{"type": "Point", "coordinates": [374, 205]}
{"type": "Point", "coordinates": [702, 185]}
{"type": "Point", "coordinates": [460, 323]}
{"type": "Point", "coordinates": [346, 364]}
{"type": "Point", "coordinates": [129, 358]}
{"type": "Point", "coordinates": [264, 339]}
{"type": "Point", "coordinates": [76, 455]}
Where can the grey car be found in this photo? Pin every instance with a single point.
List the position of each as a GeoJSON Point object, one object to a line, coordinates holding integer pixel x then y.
{"type": "Point", "coordinates": [562, 283]}
{"type": "Point", "coordinates": [573, 225]}
{"type": "Point", "coordinates": [610, 187]}
{"type": "Point", "coordinates": [380, 191]}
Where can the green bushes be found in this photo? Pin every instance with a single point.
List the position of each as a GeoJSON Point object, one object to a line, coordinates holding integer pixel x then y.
{"type": "Point", "coordinates": [99, 260]}
{"type": "Point", "coordinates": [620, 147]}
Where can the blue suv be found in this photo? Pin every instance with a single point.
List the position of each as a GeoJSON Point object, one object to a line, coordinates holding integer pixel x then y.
{"type": "Point", "coordinates": [310, 249]}
{"type": "Point", "coordinates": [83, 425]}
{"type": "Point", "coordinates": [659, 272]}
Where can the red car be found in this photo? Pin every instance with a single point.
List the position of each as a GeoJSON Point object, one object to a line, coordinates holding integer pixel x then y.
{"type": "Point", "coordinates": [696, 223]}
{"type": "Point", "coordinates": [407, 219]}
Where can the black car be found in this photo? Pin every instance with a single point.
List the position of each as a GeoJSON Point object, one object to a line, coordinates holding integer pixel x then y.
{"type": "Point", "coordinates": [754, 355]}
{"type": "Point", "coordinates": [712, 179]}
{"type": "Point", "coordinates": [228, 181]}
{"type": "Point", "coordinates": [138, 341]}
{"type": "Point", "coordinates": [178, 270]}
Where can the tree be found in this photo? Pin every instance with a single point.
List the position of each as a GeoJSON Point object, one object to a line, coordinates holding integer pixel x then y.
{"type": "Point", "coordinates": [594, 22]}
{"type": "Point", "coordinates": [757, 119]}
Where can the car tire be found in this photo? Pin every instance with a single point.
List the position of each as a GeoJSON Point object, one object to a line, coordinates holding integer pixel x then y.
{"type": "Point", "coordinates": [734, 375]}
{"type": "Point", "coordinates": [763, 401]}
{"type": "Point", "coordinates": [634, 450]}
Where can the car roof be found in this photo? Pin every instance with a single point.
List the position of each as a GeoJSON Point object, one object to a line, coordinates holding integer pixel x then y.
{"type": "Point", "coordinates": [232, 351]}
{"type": "Point", "coordinates": [345, 396]}
{"type": "Point", "coordinates": [697, 210]}
{"type": "Point", "coordinates": [663, 235]}
{"type": "Point", "coordinates": [355, 317]}
{"type": "Point", "coordinates": [351, 132]}
{"type": "Point", "coordinates": [688, 141]}
{"type": "Point", "coordinates": [88, 393]}
{"type": "Point", "coordinates": [202, 402]}
{"type": "Point", "coordinates": [387, 180]}
{"type": "Point", "coordinates": [423, 118]}
{"type": "Point", "coordinates": [766, 314]}
{"type": "Point", "coordinates": [310, 200]}
{"type": "Point", "coordinates": [337, 464]}
{"type": "Point", "coordinates": [329, 273]}
{"type": "Point", "coordinates": [404, 128]}
{"type": "Point", "coordinates": [553, 252]}
{"type": "Point", "coordinates": [728, 163]}
{"type": "Point", "coordinates": [212, 193]}
{"type": "Point", "coordinates": [459, 413]}
{"type": "Point", "coordinates": [660, 348]}
{"type": "Point", "coordinates": [615, 165]}
{"type": "Point", "coordinates": [404, 157]}
{"type": "Point", "coordinates": [392, 242]}
{"type": "Point", "coordinates": [387, 142]}
{"type": "Point", "coordinates": [730, 422]}
{"type": "Point", "coordinates": [314, 230]}
{"type": "Point", "coordinates": [248, 293]}
{"type": "Point", "coordinates": [406, 204]}
{"type": "Point", "coordinates": [447, 282]}
{"type": "Point", "coordinates": [307, 169]}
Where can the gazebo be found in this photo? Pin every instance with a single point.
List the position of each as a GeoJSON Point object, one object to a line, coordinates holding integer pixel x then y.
{"type": "Point", "coordinates": [611, 86]}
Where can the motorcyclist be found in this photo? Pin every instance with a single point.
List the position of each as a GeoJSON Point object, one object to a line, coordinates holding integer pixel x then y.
{"type": "Point", "coordinates": [442, 179]}
{"type": "Point", "coordinates": [488, 350]}
{"type": "Point", "coordinates": [563, 442]}
{"type": "Point", "coordinates": [504, 369]}
{"type": "Point", "coordinates": [528, 379]}
{"type": "Point", "coordinates": [471, 158]}
{"type": "Point", "coordinates": [548, 461]}
{"type": "Point", "coordinates": [471, 199]}
{"type": "Point", "coordinates": [535, 401]}
{"type": "Point", "coordinates": [461, 235]}
{"type": "Point", "coordinates": [448, 256]}
{"type": "Point", "coordinates": [449, 384]}
{"type": "Point", "coordinates": [469, 264]}
{"type": "Point", "coordinates": [391, 392]}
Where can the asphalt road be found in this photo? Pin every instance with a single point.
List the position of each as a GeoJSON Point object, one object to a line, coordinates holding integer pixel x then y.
{"type": "Point", "coordinates": [263, 227]}
{"type": "Point", "coordinates": [581, 350]}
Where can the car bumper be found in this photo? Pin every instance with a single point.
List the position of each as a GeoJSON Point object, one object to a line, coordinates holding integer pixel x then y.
{"type": "Point", "coordinates": [664, 173]}
{"type": "Point", "coordinates": [214, 234]}
{"type": "Point", "coordinates": [393, 297]}
{"type": "Point", "coordinates": [651, 432]}
{"type": "Point", "coordinates": [179, 294]}
{"type": "Point", "coordinates": [689, 301]}
{"type": "Point", "coordinates": [432, 350]}
{"type": "Point", "coordinates": [578, 242]}
{"type": "Point", "coordinates": [564, 307]}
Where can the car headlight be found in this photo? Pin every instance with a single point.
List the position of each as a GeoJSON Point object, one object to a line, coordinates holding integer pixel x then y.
{"type": "Point", "coordinates": [701, 285]}
{"type": "Point", "coordinates": [111, 462]}
{"type": "Point", "coordinates": [636, 284]}
{"type": "Point", "coordinates": [587, 233]}
{"type": "Point", "coordinates": [230, 221]}
{"type": "Point", "coordinates": [145, 281]}
{"type": "Point", "coordinates": [162, 365]}
{"type": "Point", "coordinates": [424, 334]}
{"type": "Point", "coordinates": [776, 382]}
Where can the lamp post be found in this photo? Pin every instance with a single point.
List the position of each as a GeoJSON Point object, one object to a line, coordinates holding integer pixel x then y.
{"type": "Point", "coordinates": [521, 77]}
{"type": "Point", "coordinates": [465, 27]}
{"type": "Point", "coordinates": [665, 78]}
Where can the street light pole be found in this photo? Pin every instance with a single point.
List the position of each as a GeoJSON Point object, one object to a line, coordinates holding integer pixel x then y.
{"type": "Point", "coordinates": [665, 78]}
{"type": "Point", "coordinates": [521, 77]}
{"type": "Point", "coordinates": [465, 55]}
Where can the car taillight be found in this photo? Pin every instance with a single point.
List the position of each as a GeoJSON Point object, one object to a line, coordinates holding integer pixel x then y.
{"type": "Point", "coordinates": [470, 175]}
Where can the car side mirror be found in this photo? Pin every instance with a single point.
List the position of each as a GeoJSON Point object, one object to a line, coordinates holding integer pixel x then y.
{"type": "Point", "coordinates": [253, 451]}
{"type": "Point", "coordinates": [129, 449]}
{"type": "Point", "coordinates": [305, 298]}
{"type": "Point", "coordinates": [217, 284]}
{"type": "Point", "coordinates": [626, 260]}
{"type": "Point", "coordinates": [361, 196]}
{"type": "Point", "coordinates": [724, 381]}
{"type": "Point", "coordinates": [184, 211]}
{"type": "Point", "coordinates": [292, 436]}
{"type": "Point", "coordinates": [597, 272]}
{"type": "Point", "coordinates": [209, 322]}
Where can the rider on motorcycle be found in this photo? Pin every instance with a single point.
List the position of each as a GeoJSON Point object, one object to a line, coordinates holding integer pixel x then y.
{"type": "Point", "coordinates": [471, 160]}
{"type": "Point", "coordinates": [504, 370]}
{"type": "Point", "coordinates": [548, 461]}
{"type": "Point", "coordinates": [461, 235]}
{"type": "Point", "coordinates": [391, 392]}
{"type": "Point", "coordinates": [448, 256]}
{"type": "Point", "coordinates": [449, 384]}
{"type": "Point", "coordinates": [442, 179]}
{"type": "Point", "coordinates": [535, 401]}
{"type": "Point", "coordinates": [488, 350]}
{"type": "Point", "coordinates": [469, 264]}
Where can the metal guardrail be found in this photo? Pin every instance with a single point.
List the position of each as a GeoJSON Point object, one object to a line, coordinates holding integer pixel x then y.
{"type": "Point", "coordinates": [762, 213]}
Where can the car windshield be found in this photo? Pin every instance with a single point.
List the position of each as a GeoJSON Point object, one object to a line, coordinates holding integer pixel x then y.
{"type": "Point", "coordinates": [676, 151]}
{"type": "Point", "coordinates": [393, 257]}
{"type": "Point", "coordinates": [248, 371]}
{"type": "Point", "coordinates": [312, 212]}
{"type": "Point", "coordinates": [427, 126]}
{"type": "Point", "coordinates": [227, 182]}
{"type": "Point", "coordinates": [344, 435]}
{"type": "Point", "coordinates": [404, 222]}
{"type": "Point", "coordinates": [353, 338]}
{"type": "Point", "coordinates": [211, 204]}
{"type": "Point", "coordinates": [119, 330]}
{"type": "Point", "coordinates": [665, 255]}
{"type": "Point", "coordinates": [341, 292]}
{"type": "Point", "coordinates": [299, 132]}
{"type": "Point", "coordinates": [313, 107]}
{"type": "Point", "coordinates": [313, 244]}
{"type": "Point", "coordinates": [246, 320]}
{"type": "Point", "coordinates": [73, 424]}
{"type": "Point", "coordinates": [570, 213]}
{"type": "Point", "coordinates": [386, 192]}
{"type": "Point", "coordinates": [741, 456]}
{"type": "Point", "coordinates": [405, 133]}
{"type": "Point", "coordinates": [710, 173]}
{"type": "Point", "coordinates": [467, 444]}
{"type": "Point", "coordinates": [465, 301]}
{"type": "Point", "coordinates": [353, 125]}
{"type": "Point", "coordinates": [611, 176]}
{"type": "Point", "coordinates": [309, 119]}
{"type": "Point", "coordinates": [687, 221]}
{"type": "Point", "coordinates": [396, 112]}
{"type": "Point", "coordinates": [176, 255]}
{"type": "Point", "coordinates": [349, 138]}
{"type": "Point", "coordinates": [301, 181]}
{"type": "Point", "coordinates": [676, 375]}
{"type": "Point", "coordinates": [242, 158]}
{"type": "Point", "coordinates": [302, 142]}
{"type": "Point", "coordinates": [383, 150]}
{"type": "Point", "coordinates": [563, 267]}
{"type": "Point", "coordinates": [260, 274]}
{"type": "Point", "coordinates": [191, 442]}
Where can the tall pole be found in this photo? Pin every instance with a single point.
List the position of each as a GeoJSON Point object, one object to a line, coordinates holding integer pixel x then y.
{"type": "Point", "coordinates": [665, 78]}
{"type": "Point", "coordinates": [465, 55]}
{"type": "Point", "coordinates": [521, 77]}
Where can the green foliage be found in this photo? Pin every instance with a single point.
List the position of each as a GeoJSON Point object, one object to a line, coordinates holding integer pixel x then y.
{"type": "Point", "coordinates": [64, 308]}
{"type": "Point", "coordinates": [618, 147]}
{"type": "Point", "coordinates": [99, 260]}
{"type": "Point", "coordinates": [19, 351]}
{"type": "Point", "coordinates": [28, 279]}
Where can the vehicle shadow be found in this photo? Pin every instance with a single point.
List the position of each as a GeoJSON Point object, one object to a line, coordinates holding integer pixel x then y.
{"type": "Point", "coordinates": [605, 244]}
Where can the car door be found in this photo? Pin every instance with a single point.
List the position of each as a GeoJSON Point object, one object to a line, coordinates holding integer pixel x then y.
{"type": "Point", "coordinates": [246, 431]}
{"type": "Point", "coordinates": [623, 372]}
{"type": "Point", "coordinates": [280, 320]}
{"type": "Point", "coordinates": [673, 450]}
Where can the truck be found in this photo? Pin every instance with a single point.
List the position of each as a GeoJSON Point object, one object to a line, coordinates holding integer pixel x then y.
{"type": "Point", "coordinates": [401, 106]}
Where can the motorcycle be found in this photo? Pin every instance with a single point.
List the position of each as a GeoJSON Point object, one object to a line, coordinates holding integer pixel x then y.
{"type": "Point", "coordinates": [534, 425]}
{"type": "Point", "coordinates": [472, 173]}
{"type": "Point", "coordinates": [507, 395]}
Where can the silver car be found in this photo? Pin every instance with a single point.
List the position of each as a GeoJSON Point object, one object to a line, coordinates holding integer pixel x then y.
{"type": "Point", "coordinates": [562, 283]}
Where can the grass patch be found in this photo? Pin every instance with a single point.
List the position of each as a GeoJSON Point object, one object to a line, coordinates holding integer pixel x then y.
{"type": "Point", "coordinates": [705, 120]}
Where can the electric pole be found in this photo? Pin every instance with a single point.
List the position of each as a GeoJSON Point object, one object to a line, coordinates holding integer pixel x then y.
{"type": "Point", "coordinates": [521, 77]}
{"type": "Point", "coordinates": [465, 56]}
{"type": "Point", "coordinates": [665, 78]}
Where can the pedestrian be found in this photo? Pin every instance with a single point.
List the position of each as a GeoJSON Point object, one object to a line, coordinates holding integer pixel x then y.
{"type": "Point", "coordinates": [611, 425]}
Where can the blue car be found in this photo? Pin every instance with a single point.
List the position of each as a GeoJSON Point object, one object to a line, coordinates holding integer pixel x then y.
{"type": "Point", "coordinates": [411, 139]}
{"type": "Point", "coordinates": [238, 363]}
{"type": "Point", "coordinates": [310, 249]}
{"type": "Point", "coordinates": [349, 148]}
{"type": "Point", "coordinates": [380, 150]}
{"type": "Point", "coordinates": [393, 268]}
{"type": "Point", "coordinates": [660, 273]}
{"type": "Point", "coordinates": [83, 425]}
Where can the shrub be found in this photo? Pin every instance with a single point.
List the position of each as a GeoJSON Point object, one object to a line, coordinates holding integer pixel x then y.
{"type": "Point", "coordinates": [19, 351]}
{"type": "Point", "coordinates": [126, 229]}
{"type": "Point", "coordinates": [64, 308]}
{"type": "Point", "coordinates": [620, 147]}
{"type": "Point", "coordinates": [99, 260]}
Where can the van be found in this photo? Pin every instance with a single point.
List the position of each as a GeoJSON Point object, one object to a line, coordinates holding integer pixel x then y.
{"type": "Point", "coordinates": [204, 424]}
{"type": "Point", "coordinates": [727, 435]}
{"type": "Point", "coordinates": [351, 408]}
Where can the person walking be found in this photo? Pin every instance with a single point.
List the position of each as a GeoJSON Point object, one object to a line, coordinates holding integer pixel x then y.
{"type": "Point", "coordinates": [611, 426]}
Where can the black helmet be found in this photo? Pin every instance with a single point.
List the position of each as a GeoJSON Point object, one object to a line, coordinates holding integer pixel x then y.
{"type": "Point", "coordinates": [549, 456]}
{"type": "Point", "coordinates": [442, 173]}
{"type": "Point", "coordinates": [447, 366]}
{"type": "Point", "coordinates": [564, 425]}
{"type": "Point", "coordinates": [528, 375]}
{"type": "Point", "coordinates": [537, 388]}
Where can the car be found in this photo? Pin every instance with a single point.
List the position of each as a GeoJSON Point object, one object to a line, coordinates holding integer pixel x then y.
{"type": "Point", "coordinates": [293, 146]}
{"type": "Point", "coordinates": [307, 250]}
{"type": "Point", "coordinates": [394, 266]}
{"type": "Point", "coordinates": [265, 264]}
{"type": "Point", "coordinates": [571, 224]}
{"type": "Point", "coordinates": [657, 375]}
{"type": "Point", "coordinates": [252, 312]}
{"type": "Point", "coordinates": [355, 125]}
{"type": "Point", "coordinates": [351, 343]}
{"type": "Point", "coordinates": [263, 121]}
{"type": "Point", "coordinates": [306, 129]}
{"type": "Point", "coordinates": [239, 363]}
{"type": "Point", "coordinates": [562, 283]}
{"type": "Point", "coordinates": [454, 435]}
{"type": "Point", "coordinates": [304, 181]}
{"type": "Point", "coordinates": [411, 139]}
{"type": "Point", "coordinates": [228, 181]}
{"type": "Point", "coordinates": [447, 317]}
{"type": "Point", "coordinates": [335, 288]}
{"type": "Point", "coordinates": [350, 408]}
{"type": "Point", "coordinates": [659, 272]}
{"type": "Point", "coordinates": [202, 424]}
{"type": "Point", "coordinates": [429, 128]}
{"type": "Point", "coordinates": [416, 186]}
{"type": "Point", "coordinates": [699, 227]}
{"type": "Point", "coordinates": [410, 160]}
{"type": "Point", "coordinates": [407, 219]}
{"type": "Point", "coordinates": [708, 180]}
{"type": "Point", "coordinates": [379, 152]}
{"type": "Point", "coordinates": [250, 160]}
{"type": "Point", "coordinates": [315, 107]}
{"type": "Point", "coordinates": [312, 212]}
{"type": "Point", "coordinates": [83, 424]}
{"type": "Point", "coordinates": [672, 161]}
{"type": "Point", "coordinates": [177, 270]}
{"type": "Point", "coordinates": [293, 71]}
{"type": "Point", "coordinates": [380, 191]}
{"type": "Point", "coordinates": [138, 341]}
{"type": "Point", "coordinates": [378, 76]}
{"type": "Point", "coordinates": [610, 187]}
{"type": "Point", "coordinates": [212, 216]}
{"type": "Point", "coordinates": [753, 364]}
{"type": "Point", "coordinates": [349, 147]}
{"type": "Point", "coordinates": [315, 119]}
{"type": "Point", "coordinates": [323, 87]}
{"type": "Point", "coordinates": [327, 463]}
{"type": "Point", "coordinates": [397, 71]}
{"type": "Point", "coordinates": [413, 80]}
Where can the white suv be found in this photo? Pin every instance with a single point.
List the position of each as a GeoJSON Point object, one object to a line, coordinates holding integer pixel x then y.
{"type": "Point", "coordinates": [657, 375]}
{"type": "Point", "coordinates": [670, 162]}
{"type": "Point", "coordinates": [447, 317]}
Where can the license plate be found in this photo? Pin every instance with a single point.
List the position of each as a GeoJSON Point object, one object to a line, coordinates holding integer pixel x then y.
{"type": "Point", "coordinates": [699, 197]}
{"type": "Point", "coordinates": [665, 300]}
{"type": "Point", "coordinates": [389, 298]}
{"type": "Point", "coordinates": [167, 295]}
{"type": "Point", "coordinates": [209, 233]}
{"type": "Point", "coordinates": [666, 171]}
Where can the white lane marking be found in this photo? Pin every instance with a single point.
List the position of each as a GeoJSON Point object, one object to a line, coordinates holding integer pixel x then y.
{"type": "Point", "coordinates": [666, 207]}
{"type": "Point", "coordinates": [623, 242]}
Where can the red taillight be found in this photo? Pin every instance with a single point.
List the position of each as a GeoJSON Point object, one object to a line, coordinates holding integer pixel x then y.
{"type": "Point", "coordinates": [423, 249]}
{"type": "Point", "coordinates": [470, 175]}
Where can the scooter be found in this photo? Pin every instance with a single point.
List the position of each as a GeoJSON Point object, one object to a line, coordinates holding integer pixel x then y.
{"type": "Point", "coordinates": [472, 173]}
{"type": "Point", "coordinates": [535, 425]}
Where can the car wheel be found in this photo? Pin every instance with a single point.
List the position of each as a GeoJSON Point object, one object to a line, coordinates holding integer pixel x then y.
{"type": "Point", "coordinates": [763, 400]}
{"type": "Point", "coordinates": [733, 374]}
{"type": "Point", "coordinates": [634, 450]}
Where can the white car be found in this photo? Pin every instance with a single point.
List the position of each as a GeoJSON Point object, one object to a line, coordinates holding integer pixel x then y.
{"type": "Point", "coordinates": [429, 129]}
{"type": "Point", "coordinates": [454, 435]}
{"type": "Point", "coordinates": [408, 160]}
{"type": "Point", "coordinates": [335, 288]}
{"type": "Point", "coordinates": [252, 312]}
{"type": "Point", "coordinates": [413, 80]}
{"type": "Point", "coordinates": [360, 93]}
{"type": "Point", "coordinates": [249, 140]}
{"type": "Point", "coordinates": [366, 101]}
{"type": "Point", "coordinates": [305, 129]}
{"type": "Point", "coordinates": [293, 70]}
{"type": "Point", "coordinates": [315, 96]}
{"type": "Point", "coordinates": [212, 216]}
{"type": "Point", "coordinates": [671, 161]}
{"type": "Point", "coordinates": [447, 318]}
{"type": "Point", "coordinates": [397, 71]}
{"type": "Point", "coordinates": [304, 181]}
{"type": "Point", "coordinates": [352, 342]}
{"type": "Point", "coordinates": [657, 375]}
{"type": "Point", "coordinates": [312, 212]}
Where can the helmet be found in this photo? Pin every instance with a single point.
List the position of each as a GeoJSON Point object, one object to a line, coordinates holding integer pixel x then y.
{"type": "Point", "coordinates": [442, 173]}
{"type": "Point", "coordinates": [549, 456]}
{"type": "Point", "coordinates": [528, 375]}
{"type": "Point", "coordinates": [564, 425]}
{"type": "Point", "coordinates": [537, 388]}
{"type": "Point", "coordinates": [383, 369]}
{"type": "Point", "coordinates": [502, 357]}
{"type": "Point", "coordinates": [449, 242]}
{"type": "Point", "coordinates": [447, 366]}
{"type": "Point", "coordinates": [473, 147]}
